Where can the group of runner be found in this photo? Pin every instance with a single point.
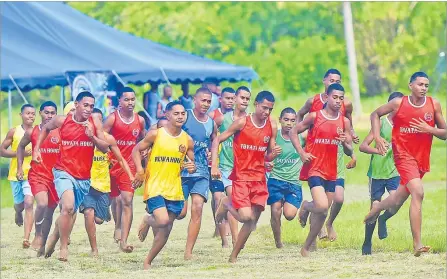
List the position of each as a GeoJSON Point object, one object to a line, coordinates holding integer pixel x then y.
{"type": "Point", "coordinates": [81, 162]}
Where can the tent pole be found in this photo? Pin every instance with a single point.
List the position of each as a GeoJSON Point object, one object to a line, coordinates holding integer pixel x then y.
{"type": "Point", "coordinates": [164, 75]}
{"type": "Point", "coordinates": [62, 97]}
{"type": "Point", "coordinates": [9, 109]}
{"type": "Point", "coordinates": [136, 102]}
{"type": "Point", "coordinates": [18, 89]}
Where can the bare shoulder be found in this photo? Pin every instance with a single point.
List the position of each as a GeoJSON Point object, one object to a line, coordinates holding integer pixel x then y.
{"type": "Point", "coordinates": [273, 123]}
{"type": "Point", "coordinates": [436, 104]}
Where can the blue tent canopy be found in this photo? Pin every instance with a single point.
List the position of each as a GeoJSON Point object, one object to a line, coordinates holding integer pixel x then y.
{"type": "Point", "coordinates": [43, 40]}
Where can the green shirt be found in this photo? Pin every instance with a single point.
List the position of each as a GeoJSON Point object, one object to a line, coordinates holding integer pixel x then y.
{"type": "Point", "coordinates": [340, 162]}
{"type": "Point", "coordinates": [226, 151]}
{"type": "Point", "coordinates": [288, 164]}
{"type": "Point", "coordinates": [382, 167]}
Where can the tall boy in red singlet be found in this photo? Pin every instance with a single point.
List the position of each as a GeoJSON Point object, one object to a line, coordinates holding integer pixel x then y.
{"type": "Point", "coordinates": [327, 129]}
{"type": "Point", "coordinates": [127, 127]}
{"type": "Point", "coordinates": [417, 118]}
{"type": "Point", "coordinates": [40, 176]}
{"type": "Point", "coordinates": [79, 134]}
{"type": "Point", "coordinates": [254, 135]}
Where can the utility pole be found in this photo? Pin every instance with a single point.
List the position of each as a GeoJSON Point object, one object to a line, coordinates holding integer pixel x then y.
{"type": "Point", "coordinates": [352, 61]}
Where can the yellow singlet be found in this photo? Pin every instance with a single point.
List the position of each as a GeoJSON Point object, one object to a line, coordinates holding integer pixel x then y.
{"type": "Point", "coordinates": [100, 177]}
{"type": "Point", "coordinates": [163, 168]}
{"type": "Point", "coordinates": [18, 135]}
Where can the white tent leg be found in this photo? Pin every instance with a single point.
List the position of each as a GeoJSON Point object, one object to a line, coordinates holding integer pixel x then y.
{"type": "Point", "coordinates": [62, 99]}
{"type": "Point", "coordinates": [9, 109]}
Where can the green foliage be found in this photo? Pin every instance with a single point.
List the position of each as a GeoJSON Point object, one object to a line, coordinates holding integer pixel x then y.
{"type": "Point", "coordinates": [291, 45]}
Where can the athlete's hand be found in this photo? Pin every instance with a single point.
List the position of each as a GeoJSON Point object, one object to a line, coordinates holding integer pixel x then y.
{"type": "Point", "coordinates": [421, 126]}
{"type": "Point", "coordinates": [268, 166]}
{"type": "Point", "coordinates": [382, 145]}
{"type": "Point", "coordinates": [215, 173]}
{"type": "Point", "coordinates": [189, 166]}
{"type": "Point", "coordinates": [89, 129]}
{"type": "Point", "coordinates": [28, 152]}
{"type": "Point", "coordinates": [341, 137]}
{"type": "Point", "coordinates": [276, 151]}
{"type": "Point", "coordinates": [307, 157]}
{"type": "Point", "coordinates": [352, 164]}
{"type": "Point", "coordinates": [355, 138]}
{"type": "Point", "coordinates": [138, 180]}
{"type": "Point", "coordinates": [19, 174]}
{"type": "Point", "coordinates": [208, 155]}
{"type": "Point", "coordinates": [144, 154]}
{"type": "Point", "coordinates": [37, 157]}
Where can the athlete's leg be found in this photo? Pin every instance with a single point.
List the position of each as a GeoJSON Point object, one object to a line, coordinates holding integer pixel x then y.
{"type": "Point", "coordinates": [29, 220]}
{"type": "Point", "coordinates": [391, 186]}
{"type": "Point", "coordinates": [18, 208]}
{"type": "Point", "coordinates": [275, 222]}
{"type": "Point", "coordinates": [369, 231]}
{"type": "Point", "coordinates": [116, 213]}
{"type": "Point", "coordinates": [234, 224]}
{"type": "Point", "coordinates": [337, 203]}
{"type": "Point", "coordinates": [46, 227]}
{"type": "Point", "coordinates": [126, 220]}
{"type": "Point", "coordinates": [90, 227]}
{"type": "Point", "coordinates": [144, 227]}
{"type": "Point", "coordinates": [197, 202]}
{"type": "Point", "coordinates": [222, 226]}
{"type": "Point", "coordinates": [392, 201]}
{"type": "Point", "coordinates": [162, 219]}
{"type": "Point", "coordinates": [39, 215]}
{"type": "Point", "coordinates": [67, 202]}
{"type": "Point", "coordinates": [52, 239]}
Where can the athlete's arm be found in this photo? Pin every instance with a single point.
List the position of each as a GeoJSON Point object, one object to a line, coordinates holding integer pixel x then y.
{"type": "Point", "coordinates": [142, 145]}
{"type": "Point", "coordinates": [116, 151]}
{"type": "Point", "coordinates": [348, 114]}
{"type": "Point", "coordinates": [305, 109]}
{"type": "Point", "coordinates": [439, 130]}
{"type": "Point", "coordinates": [189, 164]}
{"type": "Point", "coordinates": [26, 139]}
{"type": "Point", "coordinates": [160, 113]}
{"type": "Point", "coordinates": [219, 120]}
{"type": "Point", "coordinates": [54, 123]}
{"type": "Point", "coordinates": [107, 126]}
{"type": "Point", "coordinates": [390, 107]}
{"type": "Point", "coordinates": [211, 114]}
{"type": "Point", "coordinates": [347, 140]}
{"type": "Point", "coordinates": [98, 140]}
{"type": "Point", "coordinates": [364, 146]}
{"type": "Point", "coordinates": [273, 150]}
{"type": "Point", "coordinates": [143, 131]}
{"type": "Point", "coordinates": [298, 129]}
{"type": "Point", "coordinates": [4, 152]}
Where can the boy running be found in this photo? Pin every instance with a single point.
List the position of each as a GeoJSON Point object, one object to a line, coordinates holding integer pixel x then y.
{"type": "Point", "coordinates": [328, 128]}
{"type": "Point", "coordinates": [21, 190]}
{"type": "Point", "coordinates": [416, 119]}
{"type": "Point", "coordinates": [382, 175]}
{"type": "Point", "coordinates": [163, 192]}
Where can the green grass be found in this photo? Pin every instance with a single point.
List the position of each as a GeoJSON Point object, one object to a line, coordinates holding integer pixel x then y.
{"type": "Point", "coordinates": [350, 228]}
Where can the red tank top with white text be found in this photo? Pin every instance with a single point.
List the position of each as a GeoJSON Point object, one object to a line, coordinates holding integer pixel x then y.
{"type": "Point", "coordinates": [407, 143]}
{"type": "Point", "coordinates": [126, 135]}
{"type": "Point", "coordinates": [76, 149]}
{"type": "Point", "coordinates": [249, 147]}
{"type": "Point", "coordinates": [49, 151]}
{"type": "Point", "coordinates": [318, 104]}
{"type": "Point", "coordinates": [322, 144]}
{"type": "Point", "coordinates": [217, 113]}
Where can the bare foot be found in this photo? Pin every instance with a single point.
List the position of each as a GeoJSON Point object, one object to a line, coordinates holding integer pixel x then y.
{"type": "Point", "coordinates": [146, 265]}
{"type": "Point", "coordinates": [36, 243]}
{"type": "Point", "coordinates": [26, 244]}
{"type": "Point", "coordinates": [373, 214]}
{"type": "Point", "coordinates": [188, 256]}
{"type": "Point", "coordinates": [216, 232]}
{"type": "Point", "coordinates": [313, 246]}
{"type": "Point", "coordinates": [94, 253]}
{"type": "Point", "coordinates": [143, 229]}
{"type": "Point", "coordinates": [232, 259]}
{"type": "Point", "coordinates": [63, 255]}
{"type": "Point", "coordinates": [304, 252]}
{"type": "Point", "coordinates": [303, 215]}
{"type": "Point", "coordinates": [52, 240]}
{"type": "Point", "coordinates": [41, 251]}
{"type": "Point", "coordinates": [322, 234]}
{"type": "Point", "coordinates": [221, 210]}
{"type": "Point", "coordinates": [117, 235]}
{"type": "Point", "coordinates": [69, 241]}
{"type": "Point", "coordinates": [19, 219]}
{"type": "Point", "coordinates": [125, 247]}
{"type": "Point", "coordinates": [332, 235]}
{"type": "Point", "coordinates": [279, 245]}
{"type": "Point", "coordinates": [421, 250]}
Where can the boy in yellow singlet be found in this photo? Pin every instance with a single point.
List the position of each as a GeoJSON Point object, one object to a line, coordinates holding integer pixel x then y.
{"type": "Point", "coordinates": [21, 190]}
{"type": "Point", "coordinates": [163, 191]}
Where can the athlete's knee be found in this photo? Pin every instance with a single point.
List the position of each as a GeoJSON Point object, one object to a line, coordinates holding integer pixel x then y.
{"type": "Point", "coordinates": [99, 221]}
{"type": "Point", "coordinates": [28, 204]}
{"type": "Point", "coordinates": [182, 215]}
{"type": "Point", "coordinates": [89, 212]}
{"type": "Point", "coordinates": [127, 201]}
{"type": "Point", "coordinates": [67, 209]}
{"type": "Point", "coordinates": [339, 199]}
{"type": "Point", "coordinates": [289, 216]}
{"type": "Point", "coordinates": [163, 222]}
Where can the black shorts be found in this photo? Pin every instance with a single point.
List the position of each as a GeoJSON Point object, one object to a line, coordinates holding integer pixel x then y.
{"type": "Point", "coordinates": [377, 186]}
{"type": "Point", "coordinates": [329, 186]}
{"type": "Point", "coordinates": [100, 203]}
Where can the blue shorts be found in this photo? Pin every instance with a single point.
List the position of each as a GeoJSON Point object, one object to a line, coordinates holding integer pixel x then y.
{"type": "Point", "coordinates": [20, 189]}
{"type": "Point", "coordinates": [99, 202]}
{"type": "Point", "coordinates": [64, 181]}
{"type": "Point", "coordinates": [217, 186]}
{"type": "Point", "coordinates": [329, 186]}
{"type": "Point", "coordinates": [175, 207]}
{"type": "Point", "coordinates": [377, 186]}
{"type": "Point", "coordinates": [281, 190]}
{"type": "Point", "coordinates": [340, 182]}
{"type": "Point", "coordinates": [195, 185]}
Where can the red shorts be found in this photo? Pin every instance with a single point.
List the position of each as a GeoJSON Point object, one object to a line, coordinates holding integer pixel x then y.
{"type": "Point", "coordinates": [44, 185]}
{"type": "Point", "coordinates": [249, 193]}
{"type": "Point", "coordinates": [408, 170]}
{"type": "Point", "coordinates": [120, 182]}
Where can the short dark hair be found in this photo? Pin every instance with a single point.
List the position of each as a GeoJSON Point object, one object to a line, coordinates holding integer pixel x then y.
{"type": "Point", "coordinates": [47, 104]}
{"type": "Point", "coordinates": [83, 95]}
{"type": "Point", "coordinates": [265, 95]}
{"type": "Point", "coordinates": [159, 121]}
{"type": "Point", "coordinates": [97, 110]}
{"type": "Point", "coordinates": [395, 95]}
{"type": "Point", "coordinates": [203, 90]}
{"type": "Point", "coordinates": [334, 86]}
{"type": "Point", "coordinates": [333, 72]}
{"type": "Point", "coordinates": [26, 106]}
{"type": "Point", "coordinates": [416, 75]}
{"type": "Point", "coordinates": [228, 90]}
{"type": "Point", "coordinates": [244, 88]}
{"type": "Point", "coordinates": [170, 105]}
{"type": "Point", "coordinates": [287, 110]}
{"type": "Point", "coordinates": [121, 91]}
